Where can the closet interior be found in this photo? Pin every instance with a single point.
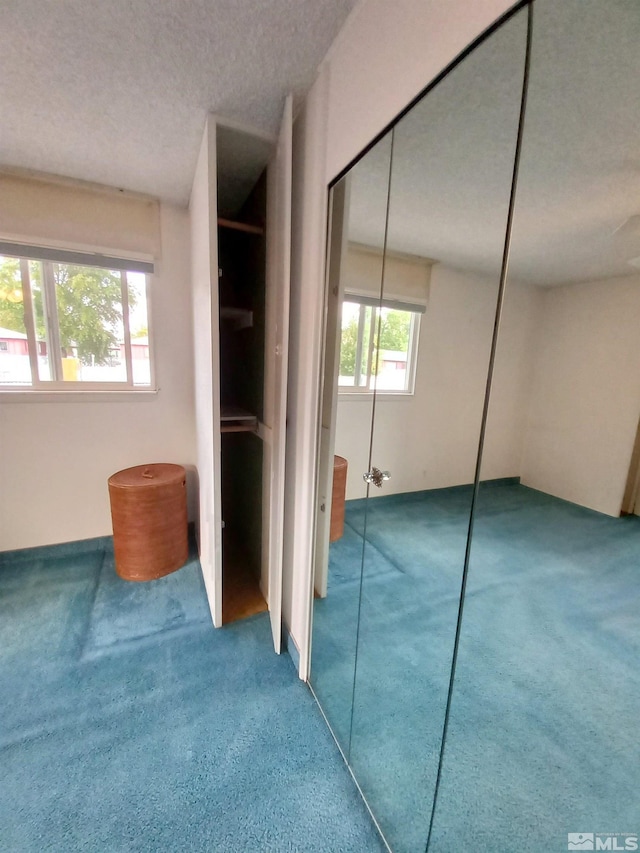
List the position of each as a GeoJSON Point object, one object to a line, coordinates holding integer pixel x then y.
{"type": "Point", "coordinates": [241, 226]}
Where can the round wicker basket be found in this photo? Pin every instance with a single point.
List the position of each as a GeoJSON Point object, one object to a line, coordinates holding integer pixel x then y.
{"type": "Point", "coordinates": [337, 497]}
{"type": "Point", "coordinates": [149, 516]}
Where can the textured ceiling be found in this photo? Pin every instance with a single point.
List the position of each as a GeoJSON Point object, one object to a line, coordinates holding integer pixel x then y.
{"type": "Point", "coordinates": [116, 91]}
{"type": "Point", "coordinates": [579, 178]}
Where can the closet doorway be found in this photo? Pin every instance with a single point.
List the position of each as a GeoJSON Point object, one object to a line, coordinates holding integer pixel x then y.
{"type": "Point", "coordinates": [240, 212]}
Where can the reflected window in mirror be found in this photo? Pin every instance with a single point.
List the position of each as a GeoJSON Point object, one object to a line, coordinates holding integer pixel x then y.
{"type": "Point", "coordinates": [378, 346]}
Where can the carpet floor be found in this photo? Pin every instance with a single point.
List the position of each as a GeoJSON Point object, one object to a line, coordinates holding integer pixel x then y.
{"type": "Point", "coordinates": [129, 724]}
{"type": "Point", "coordinates": [542, 736]}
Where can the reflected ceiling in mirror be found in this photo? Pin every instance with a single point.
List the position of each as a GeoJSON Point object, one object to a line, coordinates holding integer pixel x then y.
{"type": "Point", "coordinates": [579, 180]}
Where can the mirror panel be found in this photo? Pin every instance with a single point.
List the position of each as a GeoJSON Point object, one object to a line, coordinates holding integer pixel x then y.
{"type": "Point", "coordinates": [360, 198]}
{"type": "Point", "coordinates": [542, 750]}
{"type": "Point", "coordinates": [451, 176]}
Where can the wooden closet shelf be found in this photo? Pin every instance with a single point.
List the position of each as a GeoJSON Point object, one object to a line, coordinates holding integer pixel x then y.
{"type": "Point", "coordinates": [237, 428]}
{"type": "Point", "coordinates": [235, 419]}
{"type": "Point", "coordinates": [240, 226]}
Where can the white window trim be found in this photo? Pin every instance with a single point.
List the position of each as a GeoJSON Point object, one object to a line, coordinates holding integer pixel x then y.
{"type": "Point", "coordinates": [69, 256]}
{"type": "Point", "coordinates": [70, 395]}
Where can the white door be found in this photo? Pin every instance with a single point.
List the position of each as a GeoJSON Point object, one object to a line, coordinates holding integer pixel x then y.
{"type": "Point", "coordinates": [203, 216]}
{"type": "Point", "coordinates": [276, 357]}
{"type": "Point", "coordinates": [338, 222]}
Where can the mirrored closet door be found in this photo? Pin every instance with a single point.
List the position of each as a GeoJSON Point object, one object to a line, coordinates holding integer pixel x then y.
{"type": "Point", "coordinates": [483, 677]}
{"type": "Point", "coordinates": [417, 241]}
{"type": "Point", "coordinates": [542, 746]}
{"type": "Point", "coordinates": [350, 345]}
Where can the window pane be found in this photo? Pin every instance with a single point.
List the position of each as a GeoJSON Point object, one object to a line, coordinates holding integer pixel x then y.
{"type": "Point", "coordinates": [43, 344]}
{"type": "Point", "coordinates": [387, 367]}
{"type": "Point", "coordinates": [349, 343]}
{"type": "Point", "coordinates": [89, 306]}
{"type": "Point", "coordinates": [78, 324]}
{"type": "Point", "coordinates": [139, 327]}
{"type": "Point", "coordinates": [15, 368]}
{"type": "Point", "coordinates": [369, 329]}
{"type": "Point", "coordinates": [391, 363]}
{"type": "Point", "coordinates": [355, 364]}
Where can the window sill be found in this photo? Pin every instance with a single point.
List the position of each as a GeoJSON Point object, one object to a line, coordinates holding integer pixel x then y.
{"type": "Point", "coordinates": [73, 396]}
{"type": "Point", "coordinates": [381, 396]}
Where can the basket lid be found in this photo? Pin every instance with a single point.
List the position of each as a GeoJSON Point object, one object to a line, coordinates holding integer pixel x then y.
{"type": "Point", "coordinates": [155, 474]}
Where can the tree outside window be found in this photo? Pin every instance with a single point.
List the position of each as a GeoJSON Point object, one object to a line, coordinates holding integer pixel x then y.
{"type": "Point", "coordinates": [88, 323]}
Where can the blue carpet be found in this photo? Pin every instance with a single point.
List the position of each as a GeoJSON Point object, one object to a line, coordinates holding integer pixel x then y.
{"type": "Point", "coordinates": [542, 738]}
{"type": "Point", "coordinates": [130, 724]}
{"type": "Point", "coordinates": [131, 611]}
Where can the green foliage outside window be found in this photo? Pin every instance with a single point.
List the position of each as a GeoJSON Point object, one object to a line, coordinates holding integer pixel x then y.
{"type": "Point", "coordinates": [88, 302]}
{"type": "Point", "coordinates": [395, 328]}
{"type": "Point", "coordinates": [348, 348]}
{"type": "Point", "coordinates": [11, 309]}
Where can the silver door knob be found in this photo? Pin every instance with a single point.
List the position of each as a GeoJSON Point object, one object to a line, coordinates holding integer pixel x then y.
{"type": "Point", "coordinates": [376, 476]}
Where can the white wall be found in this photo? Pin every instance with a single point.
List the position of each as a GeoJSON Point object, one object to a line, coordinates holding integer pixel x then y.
{"type": "Point", "coordinates": [56, 457]}
{"type": "Point", "coordinates": [430, 440]}
{"type": "Point", "coordinates": [511, 383]}
{"type": "Point", "coordinates": [585, 397]}
{"type": "Point", "coordinates": [386, 53]}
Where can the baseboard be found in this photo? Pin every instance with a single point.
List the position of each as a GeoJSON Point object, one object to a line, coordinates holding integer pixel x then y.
{"type": "Point", "coordinates": [419, 495]}
{"type": "Point", "coordinates": [99, 544]}
{"type": "Point", "coordinates": [501, 481]}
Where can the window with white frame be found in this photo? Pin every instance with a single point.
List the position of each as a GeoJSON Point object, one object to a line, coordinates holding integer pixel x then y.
{"type": "Point", "coordinates": [70, 321]}
{"type": "Point", "coordinates": [379, 346]}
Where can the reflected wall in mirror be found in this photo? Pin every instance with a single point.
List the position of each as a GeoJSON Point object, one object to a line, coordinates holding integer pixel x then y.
{"type": "Point", "coordinates": [412, 292]}
{"type": "Point", "coordinates": [542, 738]}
